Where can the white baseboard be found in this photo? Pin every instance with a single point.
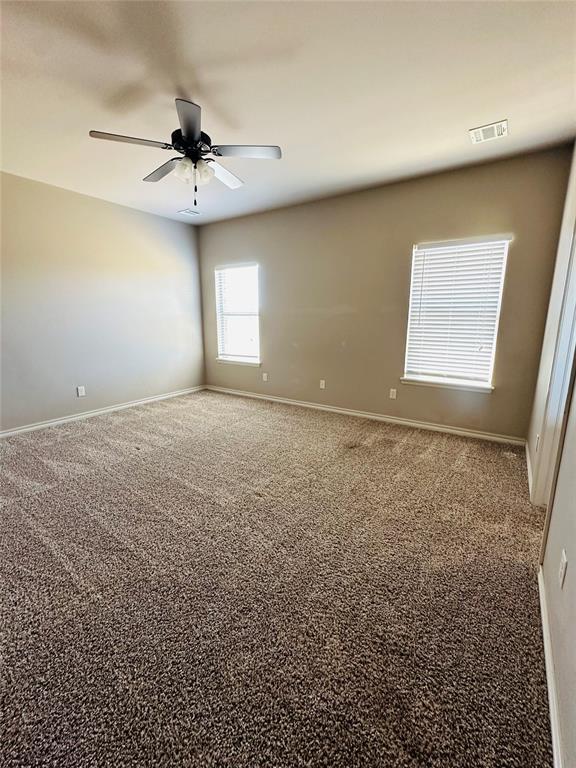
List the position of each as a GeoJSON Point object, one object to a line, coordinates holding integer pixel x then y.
{"type": "Point", "coordinates": [302, 403]}
{"type": "Point", "coordinates": [550, 674]}
{"type": "Point", "coordinates": [529, 470]}
{"type": "Point", "coordinates": [375, 416]}
{"type": "Point", "coordinates": [96, 412]}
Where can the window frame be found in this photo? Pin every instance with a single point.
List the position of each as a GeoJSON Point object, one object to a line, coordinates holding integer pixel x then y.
{"type": "Point", "coordinates": [469, 385]}
{"type": "Point", "coordinates": [231, 359]}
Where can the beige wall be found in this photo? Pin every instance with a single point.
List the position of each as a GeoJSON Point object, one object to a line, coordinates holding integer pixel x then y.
{"type": "Point", "coordinates": [93, 294]}
{"type": "Point", "coordinates": [107, 297]}
{"type": "Point", "coordinates": [335, 279]}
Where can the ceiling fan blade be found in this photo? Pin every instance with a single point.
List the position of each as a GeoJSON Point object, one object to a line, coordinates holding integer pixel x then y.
{"type": "Point", "coordinates": [163, 170]}
{"type": "Point", "coordinates": [247, 150]}
{"type": "Point", "coordinates": [130, 140]}
{"type": "Point", "coordinates": [224, 175]}
{"type": "Point", "coordinates": [189, 116]}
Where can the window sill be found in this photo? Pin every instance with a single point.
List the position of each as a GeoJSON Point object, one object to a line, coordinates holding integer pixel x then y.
{"type": "Point", "coordinates": [238, 361]}
{"type": "Point", "coordinates": [469, 386]}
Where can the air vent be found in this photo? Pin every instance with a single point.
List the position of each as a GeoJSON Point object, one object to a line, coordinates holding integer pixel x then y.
{"type": "Point", "coordinates": [189, 212]}
{"type": "Point", "coordinates": [489, 132]}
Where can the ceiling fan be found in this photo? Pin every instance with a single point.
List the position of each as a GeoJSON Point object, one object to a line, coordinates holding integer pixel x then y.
{"type": "Point", "coordinates": [197, 163]}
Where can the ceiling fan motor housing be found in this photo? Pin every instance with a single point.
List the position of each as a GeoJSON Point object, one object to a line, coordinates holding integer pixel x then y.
{"type": "Point", "coordinates": [194, 150]}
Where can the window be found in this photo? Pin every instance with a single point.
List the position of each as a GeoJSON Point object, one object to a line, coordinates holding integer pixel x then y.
{"type": "Point", "coordinates": [455, 296]}
{"type": "Point", "coordinates": [237, 319]}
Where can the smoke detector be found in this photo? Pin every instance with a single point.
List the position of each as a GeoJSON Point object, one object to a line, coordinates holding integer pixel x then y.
{"type": "Point", "coordinates": [489, 132]}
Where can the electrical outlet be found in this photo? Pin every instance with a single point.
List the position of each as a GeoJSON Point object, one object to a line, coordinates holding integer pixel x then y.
{"type": "Point", "coordinates": [264, 377]}
{"type": "Point", "coordinates": [562, 568]}
{"type": "Point", "coordinates": [392, 394]}
{"type": "Point", "coordinates": [322, 383]}
{"type": "Point", "coordinates": [80, 391]}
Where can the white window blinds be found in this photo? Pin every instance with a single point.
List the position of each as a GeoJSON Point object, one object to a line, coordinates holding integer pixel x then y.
{"type": "Point", "coordinates": [455, 296]}
{"type": "Point", "coordinates": [237, 313]}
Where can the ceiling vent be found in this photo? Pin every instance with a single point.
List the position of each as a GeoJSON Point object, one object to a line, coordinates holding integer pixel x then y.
{"type": "Point", "coordinates": [189, 212]}
{"type": "Point", "coordinates": [489, 132]}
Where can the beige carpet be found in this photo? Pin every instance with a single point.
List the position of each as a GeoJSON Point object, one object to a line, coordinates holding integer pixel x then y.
{"type": "Point", "coordinates": [218, 581]}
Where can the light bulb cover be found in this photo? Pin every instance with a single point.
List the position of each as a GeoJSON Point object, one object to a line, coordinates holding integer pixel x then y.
{"type": "Point", "coordinates": [204, 173]}
{"type": "Point", "coordinates": [185, 171]}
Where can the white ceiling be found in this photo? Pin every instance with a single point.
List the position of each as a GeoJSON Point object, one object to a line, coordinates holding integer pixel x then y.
{"type": "Point", "coordinates": [355, 93]}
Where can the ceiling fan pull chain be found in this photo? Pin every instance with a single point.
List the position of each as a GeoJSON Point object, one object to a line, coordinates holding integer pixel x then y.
{"type": "Point", "coordinates": [195, 185]}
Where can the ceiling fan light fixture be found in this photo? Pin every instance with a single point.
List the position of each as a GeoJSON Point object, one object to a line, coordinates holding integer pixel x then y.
{"type": "Point", "coordinates": [204, 173]}
{"type": "Point", "coordinates": [185, 170]}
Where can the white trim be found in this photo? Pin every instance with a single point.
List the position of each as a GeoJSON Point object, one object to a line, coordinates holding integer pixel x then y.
{"type": "Point", "coordinates": [375, 416]}
{"type": "Point", "coordinates": [96, 412]}
{"type": "Point", "coordinates": [529, 469]}
{"type": "Point", "coordinates": [302, 403]}
{"type": "Point", "coordinates": [550, 675]}
{"type": "Point", "coordinates": [238, 361]}
{"type": "Point", "coordinates": [506, 238]}
{"type": "Point", "coordinates": [499, 311]}
{"type": "Point", "coordinates": [236, 265]}
{"type": "Point", "coordinates": [456, 384]}
{"type": "Point", "coordinates": [559, 387]}
{"type": "Point", "coordinates": [560, 342]}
